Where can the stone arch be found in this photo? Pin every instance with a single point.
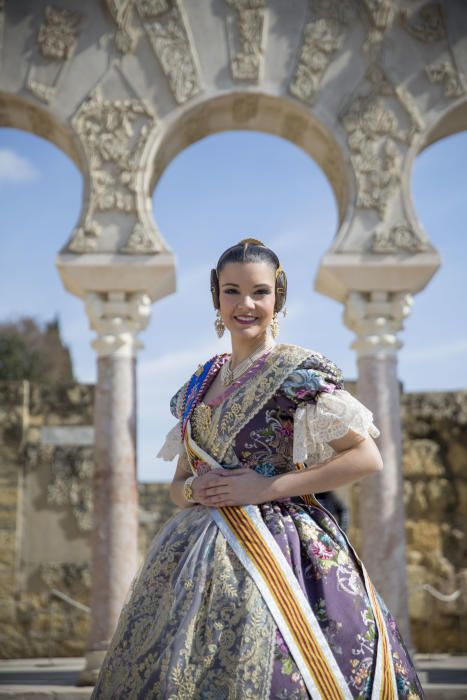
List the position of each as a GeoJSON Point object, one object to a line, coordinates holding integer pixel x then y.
{"type": "Point", "coordinates": [254, 111]}
{"type": "Point", "coordinates": [21, 113]}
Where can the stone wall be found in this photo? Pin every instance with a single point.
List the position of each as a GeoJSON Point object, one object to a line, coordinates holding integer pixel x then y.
{"type": "Point", "coordinates": [46, 452]}
{"type": "Point", "coordinates": [434, 457]}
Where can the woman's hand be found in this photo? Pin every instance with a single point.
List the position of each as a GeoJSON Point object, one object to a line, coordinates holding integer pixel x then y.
{"type": "Point", "coordinates": [230, 487]}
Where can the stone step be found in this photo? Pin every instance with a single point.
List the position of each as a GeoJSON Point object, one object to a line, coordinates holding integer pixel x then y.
{"type": "Point", "coordinates": [443, 677]}
{"type": "Point", "coordinates": [44, 692]}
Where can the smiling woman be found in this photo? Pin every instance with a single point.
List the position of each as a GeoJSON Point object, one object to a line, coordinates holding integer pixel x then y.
{"type": "Point", "coordinates": [253, 589]}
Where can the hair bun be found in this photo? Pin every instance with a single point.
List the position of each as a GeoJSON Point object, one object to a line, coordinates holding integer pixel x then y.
{"type": "Point", "coordinates": [253, 241]}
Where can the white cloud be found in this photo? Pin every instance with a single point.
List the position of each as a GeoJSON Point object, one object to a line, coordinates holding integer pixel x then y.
{"type": "Point", "coordinates": [15, 168]}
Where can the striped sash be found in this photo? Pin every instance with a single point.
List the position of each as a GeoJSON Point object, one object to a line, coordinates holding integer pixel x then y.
{"type": "Point", "coordinates": [258, 551]}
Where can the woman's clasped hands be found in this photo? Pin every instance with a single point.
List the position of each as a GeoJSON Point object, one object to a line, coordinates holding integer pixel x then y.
{"type": "Point", "coordinates": [231, 487]}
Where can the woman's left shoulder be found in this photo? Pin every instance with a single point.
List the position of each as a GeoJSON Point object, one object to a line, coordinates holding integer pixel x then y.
{"type": "Point", "coordinates": [313, 373]}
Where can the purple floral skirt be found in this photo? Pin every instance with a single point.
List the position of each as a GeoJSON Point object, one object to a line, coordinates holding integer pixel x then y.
{"type": "Point", "coordinates": [195, 625]}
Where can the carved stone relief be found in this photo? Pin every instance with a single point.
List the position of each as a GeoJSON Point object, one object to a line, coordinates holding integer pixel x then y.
{"type": "Point", "coordinates": [377, 121]}
{"type": "Point", "coordinates": [322, 38]}
{"type": "Point", "coordinates": [56, 41]}
{"type": "Point", "coordinates": [58, 33]}
{"type": "Point", "coordinates": [113, 134]}
{"type": "Point", "coordinates": [127, 36]}
{"type": "Point", "coordinates": [167, 28]}
{"type": "Point", "coordinates": [446, 73]}
{"type": "Point", "coordinates": [399, 239]}
{"type": "Point", "coordinates": [428, 24]}
{"type": "Point", "coordinates": [381, 12]}
{"type": "Point", "coordinates": [246, 35]}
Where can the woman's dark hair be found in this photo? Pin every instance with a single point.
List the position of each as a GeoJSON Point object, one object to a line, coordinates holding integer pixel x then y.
{"type": "Point", "coordinates": [250, 250]}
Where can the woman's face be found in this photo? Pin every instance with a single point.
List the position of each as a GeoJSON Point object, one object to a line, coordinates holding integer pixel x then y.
{"type": "Point", "coordinates": [247, 298]}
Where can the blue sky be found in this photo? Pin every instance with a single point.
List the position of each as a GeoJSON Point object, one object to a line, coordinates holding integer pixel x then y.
{"type": "Point", "coordinates": [219, 190]}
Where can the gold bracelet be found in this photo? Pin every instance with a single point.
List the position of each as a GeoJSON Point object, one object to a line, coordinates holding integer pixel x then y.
{"type": "Point", "coordinates": [188, 489]}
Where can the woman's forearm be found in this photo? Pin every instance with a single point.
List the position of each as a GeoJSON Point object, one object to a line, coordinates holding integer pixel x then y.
{"type": "Point", "coordinates": [344, 468]}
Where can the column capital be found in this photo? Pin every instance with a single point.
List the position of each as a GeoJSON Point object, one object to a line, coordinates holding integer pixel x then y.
{"type": "Point", "coordinates": [376, 318]}
{"type": "Point", "coordinates": [117, 318]}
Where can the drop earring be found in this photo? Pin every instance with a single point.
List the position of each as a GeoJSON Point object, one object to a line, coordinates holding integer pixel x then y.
{"type": "Point", "coordinates": [275, 325]}
{"type": "Point", "coordinates": [219, 325]}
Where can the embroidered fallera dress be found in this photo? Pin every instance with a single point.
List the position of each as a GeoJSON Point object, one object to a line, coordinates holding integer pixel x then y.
{"type": "Point", "coordinates": [260, 602]}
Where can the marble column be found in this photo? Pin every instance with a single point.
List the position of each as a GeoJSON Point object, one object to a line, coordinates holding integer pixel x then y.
{"type": "Point", "coordinates": [376, 317]}
{"type": "Point", "coordinates": [117, 317]}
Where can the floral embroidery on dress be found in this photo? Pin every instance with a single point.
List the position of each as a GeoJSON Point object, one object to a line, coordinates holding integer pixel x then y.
{"type": "Point", "coordinates": [195, 626]}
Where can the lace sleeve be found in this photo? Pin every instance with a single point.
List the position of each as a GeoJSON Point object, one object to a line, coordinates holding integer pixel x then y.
{"type": "Point", "coordinates": [172, 444]}
{"type": "Point", "coordinates": [329, 418]}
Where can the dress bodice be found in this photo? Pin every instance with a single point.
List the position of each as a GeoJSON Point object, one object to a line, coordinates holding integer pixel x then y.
{"type": "Point", "coordinates": [292, 422]}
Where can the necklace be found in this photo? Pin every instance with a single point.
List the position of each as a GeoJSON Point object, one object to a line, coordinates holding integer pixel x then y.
{"type": "Point", "coordinates": [229, 375]}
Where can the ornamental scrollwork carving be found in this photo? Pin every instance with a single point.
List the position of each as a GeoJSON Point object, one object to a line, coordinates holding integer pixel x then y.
{"type": "Point", "coordinates": [114, 135]}
{"type": "Point", "coordinates": [322, 38]}
{"type": "Point", "coordinates": [377, 121]}
{"type": "Point", "coordinates": [246, 35]}
{"type": "Point", "coordinates": [399, 239]}
{"type": "Point", "coordinates": [168, 32]}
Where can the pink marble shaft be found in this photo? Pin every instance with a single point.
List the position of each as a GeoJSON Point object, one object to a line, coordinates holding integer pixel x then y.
{"type": "Point", "coordinates": [382, 513]}
{"type": "Point", "coordinates": [114, 538]}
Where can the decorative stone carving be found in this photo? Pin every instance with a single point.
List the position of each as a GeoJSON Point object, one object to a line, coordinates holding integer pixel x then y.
{"type": "Point", "coordinates": [426, 24]}
{"type": "Point", "coordinates": [247, 47]}
{"type": "Point", "coordinates": [113, 134]}
{"type": "Point", "coordinates": [376, 318]}
{"type": "Point", "coordinates": [152, 8]}
{"type": "Point", "coordinates": [72, 470]}
{"type": "Point", "coordinates": [140, 241]}
{"type": "Point", "coordinates": [58, 33]}
{"type": "Point", "coordinates": [447, 74]}
{"type": "Point", "coordinates": [381, 12]}
{"type": "Point", "coordinates": [117, 318]}
{"type": "Point", "coordinates": [40, 90]}
{"type": "Point", "coordinates": [397, 239]}
{"type": "Point", "coordinates": [322, 38]}
{"type": "Point", "coordinates": [56, 41]}
{"type": "Point", "coordinates": [126, 37]}
{"type": "Point", "coordinates": [170, 38]}
{"type": "Point", "coordinates": [374, 129]}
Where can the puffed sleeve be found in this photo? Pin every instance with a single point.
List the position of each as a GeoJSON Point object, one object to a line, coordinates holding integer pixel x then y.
{"type": "Point", "coordinates": [173, 444]}
{"type": "Point", "coordinates": [325, 410]}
